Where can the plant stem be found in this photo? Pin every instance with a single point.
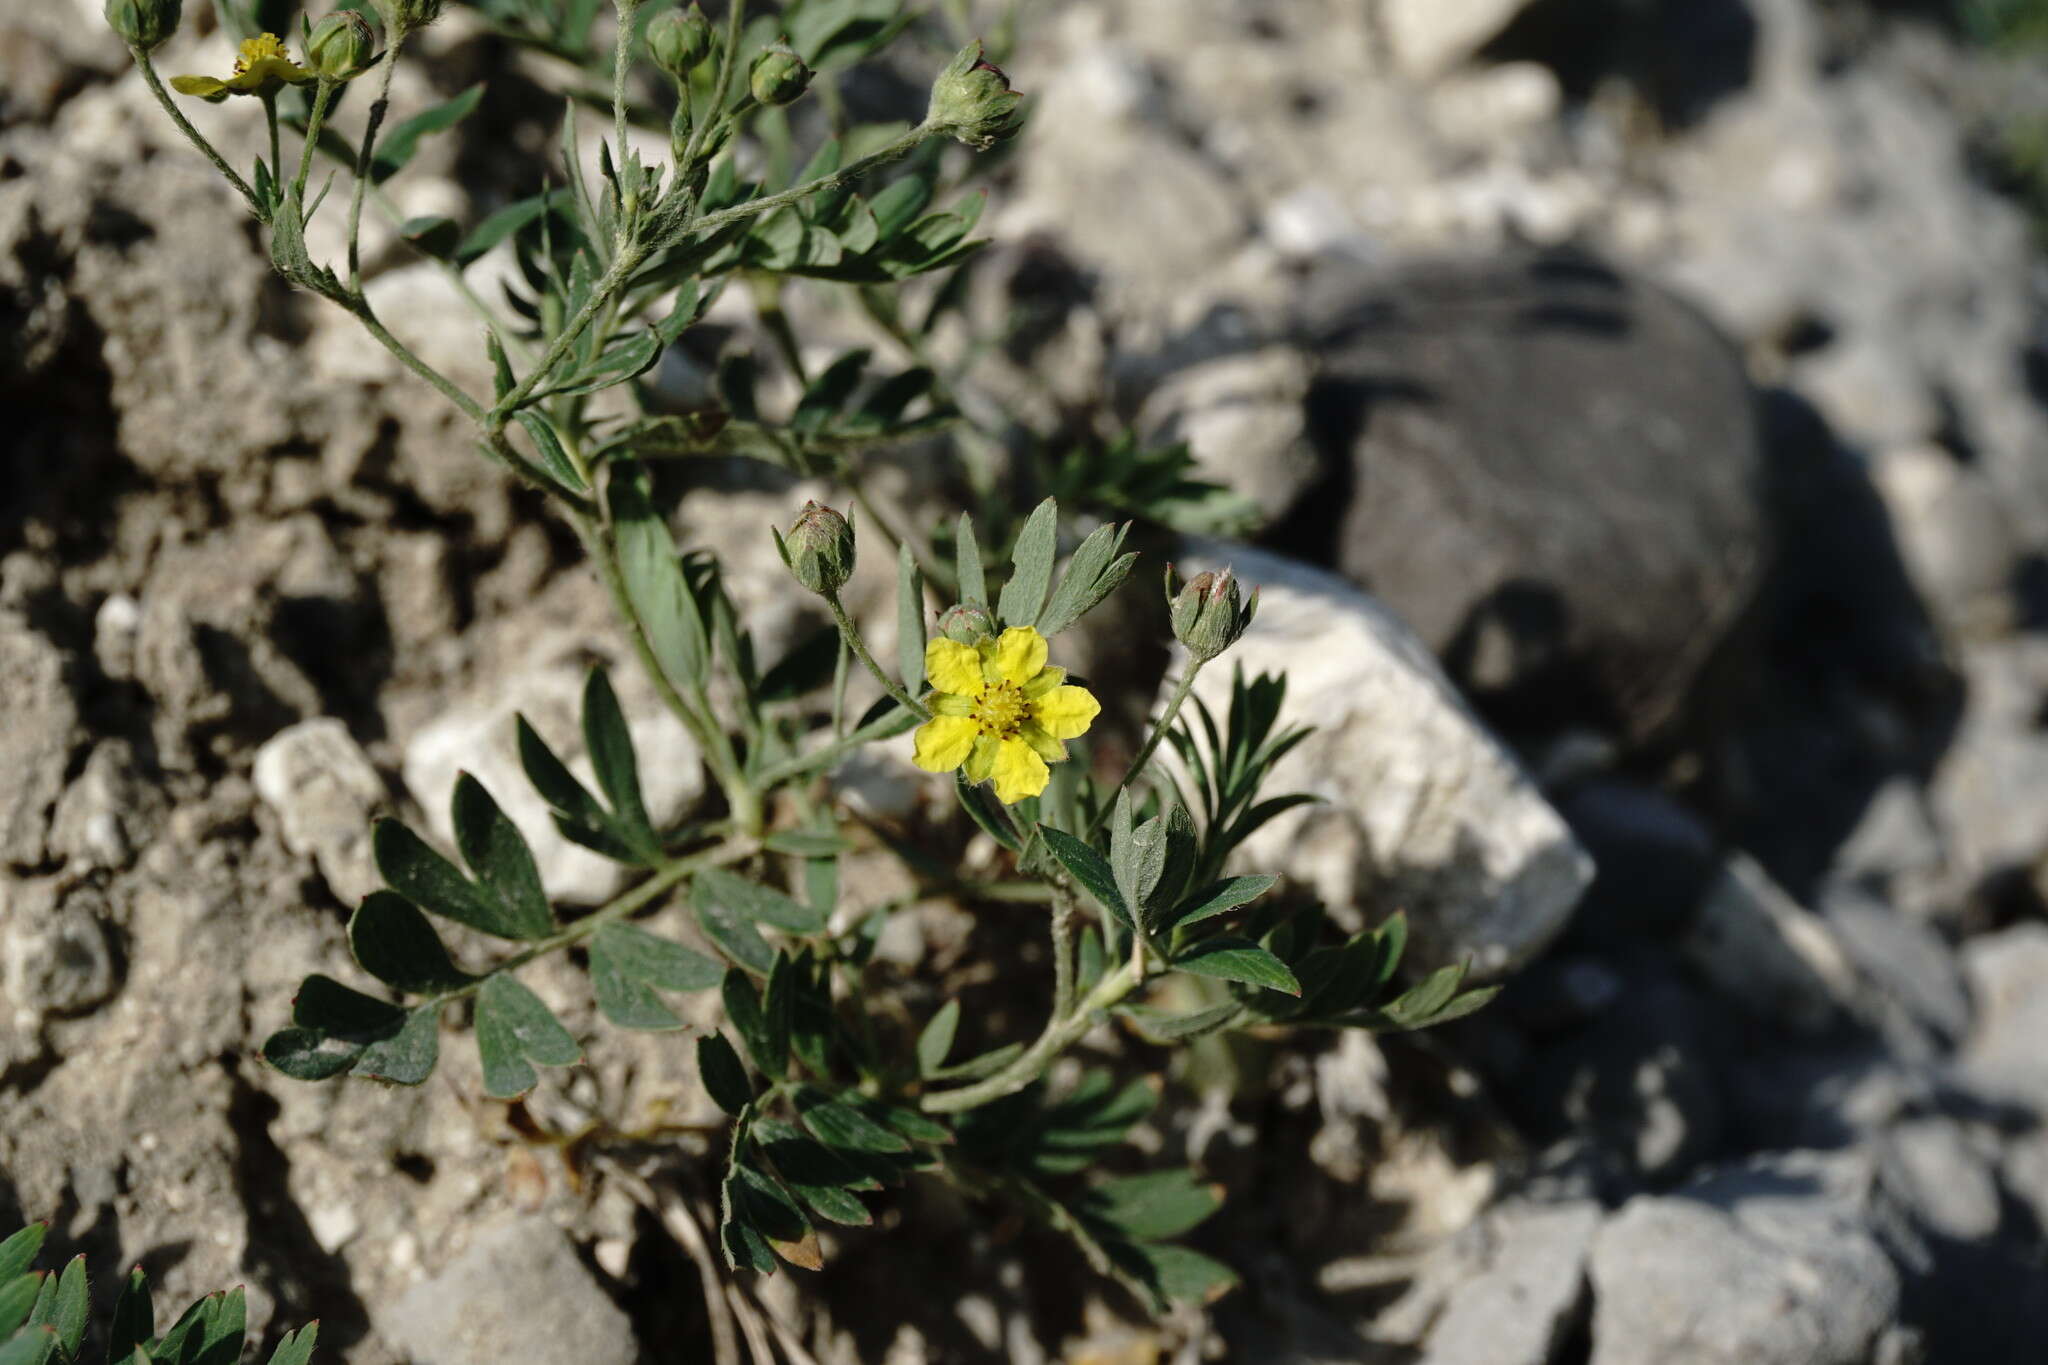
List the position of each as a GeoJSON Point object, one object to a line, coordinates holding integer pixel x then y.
{"type": "Point", "coordinates": [613, 280]}
{"type": "Point", "coordinates": [447, 387]}
{"type": "Point", "coordinates": [1062, 953]}
{"type": "Point", "coordinates": [665, 877]}
{"type": "Point", "coordinates": [851, 635]}
{"type": "Point", "coordinates": [276, 158]}
{"type": "Point", "coordinates": [622, 61]}
{"type": "Point", "coordinates": [754, 208]}
{"type": "Point", "coordinates": [323, 95]}
{"type": "Point", "coordinates": [1137, 768]}
{"type": "Point", "coordinates": [727, 61]}
{"type": "Point", "coordinates": [155, 82]}
{"type": "Point", "coordinates": [825, 755]}
{"type": "Point", "coordinates": [364, 164]}
{"type": "Point", "coordinates": [1061, 1032]}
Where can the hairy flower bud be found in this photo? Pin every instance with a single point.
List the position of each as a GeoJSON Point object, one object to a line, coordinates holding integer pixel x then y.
{"type": "Point", "coordinates": [1210, 612]}
{"type": "Point", "coordinates": [968, 625]}
{"type": "Point", "coordinates": [403, 16]}
{"type": "Point", "coordinates": [779, 77]}
{"type": "Point", "coordinates": [972, 101]}
{"type": "Point", "coordinates": [819, 549]}
{"type": "Point", "coordinates": [145, 23]}
{"type": "Point", "coordinates": [680, 40]}
{"type": "Point", "coordinates": [341, 46]}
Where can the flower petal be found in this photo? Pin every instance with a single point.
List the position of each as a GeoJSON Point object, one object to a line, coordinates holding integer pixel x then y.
{"type": "Point", "coordinates": [1067, 712]}
{"type": "Point", "coordinates": [981, 764]}
{"type": "Point", "coordinates": [944, 742]}
{"type": "Point", "coordinates": [205, 87]}
{"type": "Point", "coordinates": [953, 667]}
{"type": "Point", "coordinates": [1019, 655]}
{"type": "Point", "coordinates": [1018, 772]}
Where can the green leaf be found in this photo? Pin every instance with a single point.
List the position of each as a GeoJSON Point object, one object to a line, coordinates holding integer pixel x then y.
{"type": "Point", "coordinates": [1162, 1027]}
{"type": "Point", "coordinates": [661, 598]}
{"type": "Point", "coordinates": [18, 1296]}
{"type": "Point", "coordinates": [1237, 959]}
{"type": "Point", "coordinates": [1222, 898]}
{"type": "Point", "coordinates": [724, 1077]}
{"type": "Point", "coordinates": [732, 932]}
{"type": "Point", "coordinates": [408, 1056]}
{"type": "Point", "coordinates": [657, 961]}
{"type": "Point", "coordinates": [133, 1323]}
{"type": "Point", "coordinates": [1143, 862]}
{"type": "Point", "coordinates": [1092, 574]}
{"type": "Point", "coordinates": [910, 634]}
{"type": "Point", "coordinates": [1153, 1207]}
{"type": "Point", "coordinates": [767, 1208]}
{"type": "Point", "coordinates": [1031, 566]}
{"type": "Point", "coordinates": [34, 1346]}
{"type": "Point", "coordinates": [416, 872]}
{"type": "Point", "coordinates": [18, 1252]}
{"type": "Point", "coordinates": [1183, 1276]}
{"type": "Point", "coordinates": [610, 742]}
{"type": "Point", "coordinates": [432, 235]}
{"type": "Point", "coordinates": [760, 903]}
{"type": "Point", "coordinates": [763, 1028]}
{"type": "Point", "coordinates": [502, 224]}
{"type": "Point", "coordinates": [936, 1040]}
{"type": "Point", "coordinates": [296, 1348]}
{"type": "Point", "coordinates": [976, 1068]}
{"type": "Point", "coordinates": [982, 808]}
{"type": "Point", "coordinates": [394, 942]}
{"type": "Point", "coordinates": [553, 457]}
{"type": "Point", "coordinates": [838, 1124]}
{"type": "Point", "coordinates": [967, 563]}
{"type": "Point", "coordinates": [1089, 869]}
{"type": "Point", "coordinates": [621, 997]}
{"type": "Point", "coordinates": [513, 1028]}
{"type": "Point", "coordinates": [496, 852]}
{"type": "Point", "coordinates": [397, 147]}
{"type": "Point", "coordinates": [805, 843]}
{"type": "Point", "coordinates": [222, 1329]}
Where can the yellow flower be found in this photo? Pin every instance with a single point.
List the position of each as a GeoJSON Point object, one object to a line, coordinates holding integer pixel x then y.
{"type": "Point", "coordinates": [997, 709]}
{"type": "Point", "coordinates": [263, 68]}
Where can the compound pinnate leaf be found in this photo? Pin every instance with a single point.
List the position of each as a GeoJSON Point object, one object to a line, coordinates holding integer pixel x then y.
{"type": "Point", "coordinates": [408, 1056]}
{"type": "Point", "coordinates": [1180, 1275]}
{"type": "Point", "coordinates": [1236, 959]}
{"type": "Point", "coordinates": [18, 1297]}
{"type": "Point", "coordinates": [662, 601]}
{"type": "Point", "coordinates": [612, 758]}
{"type": "Point", "coordinates": [1089, 868]}
{"type": "Point", "coordinates": [759, 903]}
{"type": "Point", "coordinates": [18, 1252]}
{"type": "Point", "coordinates": [496, 852]}
{"type": "Point", "coordinates": [394, 942]}
{"type": "Point", "coordinates": [134, 1322]}
{"type": "Point", "coordinates": [733, 933]}
{"type": "Point", "coordinates": [416, 872]}
{"type": "Point", "coordinates": [772, 1212]}
{"type": "Point", "coordinates": [553, 458]}
{"type": "Point", "coordinates": [837, 1123]}
{"type": "Point", "coordinates": [658, 962]}
{"type": "Point", "coordinates": [764, 1031]}
{"type": "Point", "coordinates": [296, 1348]}
{"type": "Point", "coordinates": [35, 1346]}
{"type": "Point", "coordinates": [64, 1306]}
{"type": "Point", "coordinates": [1031, 567]}
{"type": "Point", "coordinates": [724, 1076]}
{"type": "Point", "coordinates": [1222, 898]}
{"type": "Point", "coordinates": [622, 997]}
{"type": "Point", "coordinates": [514, 1029]}
{"type": "Point", "coordinates": [332, 1025]}
{"type": "Point", "coordinates": [1155, 1206]}
{"type": "Point", "coordinates": [910, 622]}
{"type": "Point", "coordinates": [805, 843]}
{"type": "Point", "coordinates": [967, 563]}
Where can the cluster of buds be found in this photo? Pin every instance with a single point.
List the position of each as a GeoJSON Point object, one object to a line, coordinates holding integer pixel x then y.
{"type": "Point", "coordinates": [779, 77]}
{"type": "Point", "coordinates": [1209, 612]}
{"type": "Point", "coordinates": [144, 23]}
{"type": "Point", "coordinates": [341, 47]}
{"type": "Point", "coordinates": [679, 41]}
{"type": "Point", "coordinates": [973, 102]}
{"type": "Point", "coordinates": [818, 549]}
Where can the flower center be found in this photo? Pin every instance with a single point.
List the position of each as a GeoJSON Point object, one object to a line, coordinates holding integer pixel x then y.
{"type": "Point", "coordinates": [1000, 710]}
{"type": "Point", "coordinates": [257, 49]}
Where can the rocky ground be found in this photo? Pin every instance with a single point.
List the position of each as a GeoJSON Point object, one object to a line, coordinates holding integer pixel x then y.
{"type": "Point", "coordinates": [1653, 460]}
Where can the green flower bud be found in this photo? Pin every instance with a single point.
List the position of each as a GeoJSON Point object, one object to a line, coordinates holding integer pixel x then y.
{"type": "Point", "coordinates": [967, 625]}
{"type": "Point", "coordinates": [779, 77]}
{"type": "Point", "coordinates": [403, 16]}
{"type": "Point", "coordinates": [341, 46]}
{"type": "Point", "coordinates": [972, 101]}
{"type": "Point", "coordinates": [680, 40]}
{"type": "Point", "coordinates": [145, 23]}
{"type": "Point", "coordinates": [1210, 612]}
{"type": "Point", "coordinates": [819, 549]}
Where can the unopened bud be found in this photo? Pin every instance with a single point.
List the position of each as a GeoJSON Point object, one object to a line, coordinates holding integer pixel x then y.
{"type": "Point", "coordinates": [967, 624]}
{"type": "Point", "coordinates": [972, 101]}
{"type": "Point", "coordinates": [819, 549]}
{"type": "Point", "coordinates": [401, 17]}
{"type": "Point", "coordinates": [779, 77]}
{"type": "Point", "coordinates": [680, 40]}
{"type": "Point", "coordinates": [145, 23]}
{"type": "Point", "coordinates": [341, 46]}
{"type": "Point", "coordinates": [1210, 612]}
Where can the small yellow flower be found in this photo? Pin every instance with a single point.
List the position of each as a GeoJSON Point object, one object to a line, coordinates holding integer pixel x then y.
{"type": "Point", "coordinates": [997, 709]}
{"type": "Point", "coordinates": [263, 68]}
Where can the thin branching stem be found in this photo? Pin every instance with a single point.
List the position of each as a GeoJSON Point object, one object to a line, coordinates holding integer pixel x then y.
{"type": "Point", "coordinates": [323, 96]}
{"type": "Point", "coordinates": [155, 82]}
{"type": "Point", "coordinates": [850, 633]}
{"type": "Point", "coordinates": [1062, 1031]}
{"type": "Point", "coordinates": [366, 165]}
{"type": "Point", "coordinates": [1165, 723]}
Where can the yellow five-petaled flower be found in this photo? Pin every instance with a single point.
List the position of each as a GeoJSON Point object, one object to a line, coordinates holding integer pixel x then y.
{"type": "Point", "coordinates": [263, 67]}
{"type": "Point", "coordinates": [997, 709]}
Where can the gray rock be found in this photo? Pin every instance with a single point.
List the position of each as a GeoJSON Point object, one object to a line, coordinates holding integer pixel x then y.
{"type": "Point", "coordinates": [1431, 36]}
{"type": "Point", "coordinates": [1774, 1264]}
{"type": "Point", "coordinates": [518, 1293]}
{"type": "Point", "coordinates": [1558, 475]}
{"type": "Point", "coordinates": [57, 956]}
{"type": "Point", "coordinates": [1422, 808]}
{"type": "Point", "coordinates": [324, 791]}
{"type": "Point", "coordinates": [1943, 1175]}
{"type": "Point", "coordinates": [1990, 794]}
{"type": "Point", "coordinates": [1915, 991]}
{"type": "Point", "coordinates": [1768, 953]}
{"type": "Point", "coordinates": [1522, 1286]}
{"type": "Point", "coordinates": [1655, 860]}
{"type": "Point", "coordinates": [38, 728]}
{"type": "Point", "coordinates": [107, 814]}
{"type": "Point", "coordinates": [1243, 419]}
{"type": "Point", "coordinates": [2008, 975]}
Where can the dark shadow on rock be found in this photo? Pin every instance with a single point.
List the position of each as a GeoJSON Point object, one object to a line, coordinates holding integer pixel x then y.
{"type": "Point", "coordinates": [1682, 56]}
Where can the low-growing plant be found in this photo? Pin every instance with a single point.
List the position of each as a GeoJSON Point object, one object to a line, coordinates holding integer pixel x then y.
{"type": "Point", "coordinates": [44, 1317]}
{"type": "Point", "coordinates": [833, 1097]}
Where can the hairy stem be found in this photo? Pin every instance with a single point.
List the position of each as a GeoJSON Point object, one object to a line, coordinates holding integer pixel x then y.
{"type": "Point", "coordinates": [754, 208]}
{"type": "Point", "coordinates": [323, 96]}
{"type": "Point", "coordinates": [155, 82]}
{"type": "Point", "coordinates": [1061, 1033]}
{"type": "Point", "coordinates": [1062, 953]}
{"type": "Point", "coordinates": [851, 635]}
{"type": "Point", "coordinates": [611, 282]}
{"type": "Point", "coordinates": [364, 164]}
